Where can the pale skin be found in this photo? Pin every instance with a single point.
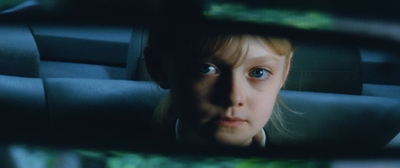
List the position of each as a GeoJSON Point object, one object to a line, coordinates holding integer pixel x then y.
{"type": "Point", "coordinates": [226, 98]}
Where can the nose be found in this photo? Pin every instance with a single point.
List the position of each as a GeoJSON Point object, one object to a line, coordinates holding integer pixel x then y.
{"type": "Point", "coordinates": [237, 91]}
{"type": "Point", "coordinates": [229, 91]}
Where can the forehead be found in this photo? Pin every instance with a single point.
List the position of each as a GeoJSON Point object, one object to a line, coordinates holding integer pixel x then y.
{"type": "Point", "coordinates": [238, 50]}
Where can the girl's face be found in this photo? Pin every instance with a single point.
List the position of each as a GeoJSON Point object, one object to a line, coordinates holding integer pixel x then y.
{"type": "Point", "coordinates": [228, 97]}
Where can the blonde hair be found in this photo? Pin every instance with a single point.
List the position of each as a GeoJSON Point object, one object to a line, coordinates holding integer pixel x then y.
{"type": "Point", "coordinates": [208, 44]}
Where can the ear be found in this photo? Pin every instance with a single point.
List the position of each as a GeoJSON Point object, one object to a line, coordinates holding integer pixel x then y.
{"type": "Point", "coordinates": [287, 69]}
{"type": "Point", "coordinates": [156, 68]}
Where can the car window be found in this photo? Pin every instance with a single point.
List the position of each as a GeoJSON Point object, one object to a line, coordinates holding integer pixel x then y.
{"type": "Point", "coordinates": [73, 79]}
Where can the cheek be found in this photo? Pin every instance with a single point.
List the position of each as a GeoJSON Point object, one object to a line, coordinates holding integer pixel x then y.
{"type": "Point", "coordinates": [204, 87]}
{"type": "Point", "coordinates": [190, 96]}
{"type": "Point", "coordinates": [262, 106]}
{"type": "Point", "coordinates": [261, 101]}
{"type": "Point", "coordinates": [203, 90]}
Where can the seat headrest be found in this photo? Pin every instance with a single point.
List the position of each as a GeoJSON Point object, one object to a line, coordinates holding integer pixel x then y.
{"type": "Point", "coordinates": [19, 55]}
{"type": "Point", "coordinates": [325, 68]}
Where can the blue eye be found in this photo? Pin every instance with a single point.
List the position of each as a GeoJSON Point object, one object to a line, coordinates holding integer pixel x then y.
{"type": "Point", "coordinates": [207, 69]}
{"type": "Point", "coordinates": [259, 73]}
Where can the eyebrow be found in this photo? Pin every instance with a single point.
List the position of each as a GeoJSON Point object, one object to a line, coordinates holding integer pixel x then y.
{"type": "Point", "coordinates": [271, 60]}
{"type": "Point", "coordinates": [266, 58]}
{"type": "Point", "coordinates": [258, 59]}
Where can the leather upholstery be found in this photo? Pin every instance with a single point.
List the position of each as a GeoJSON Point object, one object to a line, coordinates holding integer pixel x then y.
{"type": "Point", "coordinates": [94, 112]}
{"type": "Point", "coordinates": [14, 59]}
{"type": "Point", "coordinates": [337, 120]}
{"type": "Point", "coordinates": [24, 114]}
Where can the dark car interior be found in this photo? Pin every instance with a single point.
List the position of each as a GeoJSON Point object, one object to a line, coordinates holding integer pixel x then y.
{"type": "Point", "coordinates": [86, 85]}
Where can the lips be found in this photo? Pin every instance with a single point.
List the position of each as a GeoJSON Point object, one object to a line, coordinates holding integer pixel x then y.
{"type": "Point", "coordinates": [230, 122]}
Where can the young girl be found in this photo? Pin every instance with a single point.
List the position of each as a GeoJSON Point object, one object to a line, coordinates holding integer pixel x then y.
{"type": "Point", "coordinates": [222, 87]}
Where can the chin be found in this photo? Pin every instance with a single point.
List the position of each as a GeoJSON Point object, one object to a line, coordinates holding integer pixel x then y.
{"type": "Point", "coordinates": [230, 140]}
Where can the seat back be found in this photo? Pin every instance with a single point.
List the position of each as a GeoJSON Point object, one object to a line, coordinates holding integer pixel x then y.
{"type": "Point", "coordinates": [23, 110]}
{"type": "Point", "coordinates": [337, 121]}
{"type": "Point", "coordinates": [94, 112]}
{"type": "Point", "coordinates": [19, 55]}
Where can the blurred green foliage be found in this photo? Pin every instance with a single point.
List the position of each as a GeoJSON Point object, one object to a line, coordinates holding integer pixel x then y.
{"type": "Point", "coordinates": [29, 156]}
{"type": "Point", "coordinates": [7, 4]}
{"type": "Point", "coordinates": [302, 19]}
